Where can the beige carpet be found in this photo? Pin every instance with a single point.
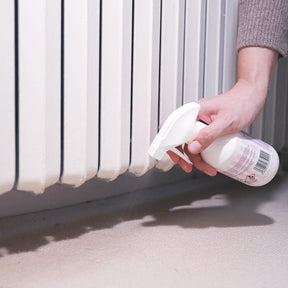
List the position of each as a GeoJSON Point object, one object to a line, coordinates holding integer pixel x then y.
{"type": "Point", "coordinates": [223, 236]}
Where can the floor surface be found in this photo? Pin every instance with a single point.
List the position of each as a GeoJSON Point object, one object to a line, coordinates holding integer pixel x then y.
{"type": "Point", "coordinates": [228, 235]}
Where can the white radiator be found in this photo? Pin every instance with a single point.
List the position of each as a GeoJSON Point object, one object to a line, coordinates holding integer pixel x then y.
{"type": "Point", "coordinates": [84, 84]}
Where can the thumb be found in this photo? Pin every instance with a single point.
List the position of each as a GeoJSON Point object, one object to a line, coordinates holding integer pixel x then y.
{"type": "Point", "coordinates": [205, 137]}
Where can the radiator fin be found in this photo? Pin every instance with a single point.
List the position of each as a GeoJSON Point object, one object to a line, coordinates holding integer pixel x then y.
{"type": "Point", "coordinates": [171, 70]}
{"type": "Point", "coordinates": [193, 78]}
{"type": "Point", "coordinates": [146, 45]}
{"type": "Point", "coordinates": [39, 94]}
{"type": "Point", "coordinates": [7, 96]}
{"type": "Point", "coordinates": [115, 88]}
{"type": "Point", "coordinates": [81, 91]}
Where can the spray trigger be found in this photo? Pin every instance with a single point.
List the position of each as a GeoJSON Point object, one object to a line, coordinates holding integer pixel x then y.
{"type": "Point", "coordinates": [177, 130]}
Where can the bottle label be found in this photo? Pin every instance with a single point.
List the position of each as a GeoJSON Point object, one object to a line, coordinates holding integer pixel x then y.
{"type": "Point", "coordinates": [251, 164]}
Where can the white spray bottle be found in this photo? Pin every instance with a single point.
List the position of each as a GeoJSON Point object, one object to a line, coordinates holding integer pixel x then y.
{"type": "Point", "coordinates": [238, 156]}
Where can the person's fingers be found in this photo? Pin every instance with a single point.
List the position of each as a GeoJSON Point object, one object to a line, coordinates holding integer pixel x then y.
{"type": "Point", "coordinates": [200, 164]}
{"type": "Point", "coordinates": [174, 157]}
{"type": "Point", "coordinates": [205, 137]}
{"type": "Point", "coordinates": [187, 167]}
{"type": "Point", "coordinates": [195, 147]}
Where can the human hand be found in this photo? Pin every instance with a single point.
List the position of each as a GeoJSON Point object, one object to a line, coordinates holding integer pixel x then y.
{"type": "Point", "coordinates": [234, 110]}
{"type": "Point", "coordinates": [226, 113]}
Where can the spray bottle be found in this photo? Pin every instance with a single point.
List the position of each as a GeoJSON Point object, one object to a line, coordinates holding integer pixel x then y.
{"type": "Point", "coordinates": [239, 156]}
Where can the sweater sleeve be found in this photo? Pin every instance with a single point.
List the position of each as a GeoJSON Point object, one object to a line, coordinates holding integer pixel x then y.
{"type": "Point", "coordinates": [263, 23]}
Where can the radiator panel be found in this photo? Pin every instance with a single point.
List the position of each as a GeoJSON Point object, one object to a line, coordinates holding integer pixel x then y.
{"type": "Point", "coordinates": [39, 94]}
{"type": "Point", "coordinates": [81, 91]}
{"type": "Point", "coordinates": [171, 69]}
{"type": "Point", "coordinates": [7, 96]}
{"type": "Point", "coordinates": [115, 88]}
{"type": "Point", "coordinates": [146, 45]}
{"type": "Point", "coordinates": [195, 19]}
{"type": "Point", "coordinates": [229, 77]}
{"type": "Point", "coordinates": [270, 111]}
{"type": "Point", "coordinates": [281, 115]}
{"type": "Point", "coordinates": [172, 52]}
{"type": "Point", "coordinates": [214, 47]}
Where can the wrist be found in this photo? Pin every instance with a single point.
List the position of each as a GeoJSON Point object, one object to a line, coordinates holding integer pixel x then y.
{"type": "Point", "coordinates": [249, 97]}
{"type": "Point", "coordinates": [255, 68]}
{"type": "Point", "coordinates": [253, 90]}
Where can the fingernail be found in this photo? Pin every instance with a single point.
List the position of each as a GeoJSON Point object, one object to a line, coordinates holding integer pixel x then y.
{"type": "Point", "coordinates": [187, 168]}
{"type": "Point", "coordinates": [211, 172]}
{"type": "Point", "coordinates": [194, 147]}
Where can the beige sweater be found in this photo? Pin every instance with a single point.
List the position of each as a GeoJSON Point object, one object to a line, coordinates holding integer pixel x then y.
{"type": "Point", "coordinates": [263, 23]}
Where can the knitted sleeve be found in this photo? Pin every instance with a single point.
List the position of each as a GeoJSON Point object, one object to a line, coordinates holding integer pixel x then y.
{"type": "Point", "coordinates": [263, 23]}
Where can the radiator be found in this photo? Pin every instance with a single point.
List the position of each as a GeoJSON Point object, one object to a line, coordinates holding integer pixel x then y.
{"type": "Point", "coordinates": [84, 84]}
